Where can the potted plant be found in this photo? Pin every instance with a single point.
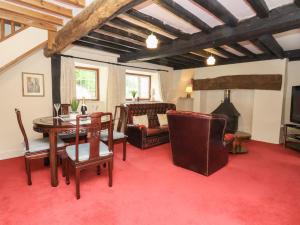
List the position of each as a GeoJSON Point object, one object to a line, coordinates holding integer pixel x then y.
{"type": "Point", "coordinates": [74, 106]}
{"type": "Point", "coordinates": [133, 94]}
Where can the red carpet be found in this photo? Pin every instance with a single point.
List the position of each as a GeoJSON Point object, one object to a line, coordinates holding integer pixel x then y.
{"type": "Point", "coordinates": [261, 187]}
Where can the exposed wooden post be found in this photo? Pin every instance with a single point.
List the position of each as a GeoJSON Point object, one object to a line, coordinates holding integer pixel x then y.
{"type": "Point", "coordinates": [95, 15]}
{"type": "Point", "coordinates": [51, 37]}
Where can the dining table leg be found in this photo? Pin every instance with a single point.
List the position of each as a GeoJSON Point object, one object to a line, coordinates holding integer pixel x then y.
{"type": "Point", "coordinates": [53, 158]}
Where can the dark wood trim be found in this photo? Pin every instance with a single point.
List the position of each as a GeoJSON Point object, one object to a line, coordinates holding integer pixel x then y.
{"type": "Point", "coordinates": [258, 82]}
{"type": "Point", "coordinates": [280, 19]}
{"type": "Point", "coordinates": [260, 7]}
{"type": "Point", "coordinates": [186, 15]}
{"type": "Point", "coordinates": [151, 21]}
{"type": "Point", "coordinates": [97, 81]}
{"type": "Point", "coordinates": [219, 11]}
{"type": "Point", "coordinates": [56, 74]}
{"type": "Point", "coordinates": [140, 75]}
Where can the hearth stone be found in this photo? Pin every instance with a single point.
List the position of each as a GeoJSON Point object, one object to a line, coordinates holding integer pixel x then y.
{"type": "Point", "coordinates": [228, 109]}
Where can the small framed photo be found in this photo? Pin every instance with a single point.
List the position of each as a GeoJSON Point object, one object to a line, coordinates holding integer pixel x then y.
{"type": "Point", "coordinates": [33, 84]}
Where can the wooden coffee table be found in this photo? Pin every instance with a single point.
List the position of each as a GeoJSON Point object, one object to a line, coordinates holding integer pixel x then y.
{"type": "Point", "coordinates": [239, 138]}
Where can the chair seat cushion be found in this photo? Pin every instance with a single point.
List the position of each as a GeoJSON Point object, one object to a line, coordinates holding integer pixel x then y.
{"type": "Point", "coordinates": [84, 151]}
{"type": "Point", "coordinates": [41, 144]}
{"type": "Point", "coordinates": [157, 131]}
{"type": "Point", "coordinates": [116, 135]}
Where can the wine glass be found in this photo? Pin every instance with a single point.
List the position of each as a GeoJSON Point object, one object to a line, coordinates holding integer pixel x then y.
{"type": "Point", "coordinates": [56, 107]}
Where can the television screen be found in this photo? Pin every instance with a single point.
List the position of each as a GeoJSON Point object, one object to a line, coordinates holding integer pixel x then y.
{"type": "Point", "coordinates": [295, 105]}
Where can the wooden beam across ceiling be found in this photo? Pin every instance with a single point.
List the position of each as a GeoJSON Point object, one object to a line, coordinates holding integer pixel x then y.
{"type": "Point", "coordinates": [27, 20]}
{"type": "Point", "coordinates": [92, 17]}
{"type": "Point", "coordinates": [260, 7]}
{"type": "Point", "coordinates": [47, 6]}
{"type": "Point", "coordinates": [30, 13]}
{"type": "Point", "coordinates": [78, 3]}
{"type": "Point", "coordinates": [297, 2]}
{"type": "Point", "coordinates": [219, 11]}
{"type": "Point", "coordinates": [270, 42]}
{"type": "Point", "coordinates": [279, 20]}
{"type": "Point", "coordinates": [181, 12]}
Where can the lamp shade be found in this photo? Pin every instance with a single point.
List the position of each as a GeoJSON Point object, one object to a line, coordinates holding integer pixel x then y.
{"type": "Point", "coordinates": [151, 41]}
{"type": "Point", "coordinates": [189, 89]}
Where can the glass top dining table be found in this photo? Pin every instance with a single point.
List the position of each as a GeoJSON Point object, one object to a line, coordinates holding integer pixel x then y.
{"type": "Point", "coordinates": [53, 126]}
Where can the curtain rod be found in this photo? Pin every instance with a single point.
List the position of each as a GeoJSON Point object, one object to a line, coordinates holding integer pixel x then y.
{"type": "Point", "coordinates": [111, 63]}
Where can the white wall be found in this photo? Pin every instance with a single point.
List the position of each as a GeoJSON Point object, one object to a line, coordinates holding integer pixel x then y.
{"type": "Point", "coordinates": [14, 46]}
{"type": "Point", "coordinates": [261, 111]}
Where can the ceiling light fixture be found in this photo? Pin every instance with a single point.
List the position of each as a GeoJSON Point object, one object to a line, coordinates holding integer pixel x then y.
{"type": "Point", "coordinates": [211, 61]}
{"type": "Point", "coordinates": [152, 41]}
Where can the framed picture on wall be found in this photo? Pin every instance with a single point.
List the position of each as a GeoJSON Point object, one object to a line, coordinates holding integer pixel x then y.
{"type": "Point", "coordinates": [33, 84]}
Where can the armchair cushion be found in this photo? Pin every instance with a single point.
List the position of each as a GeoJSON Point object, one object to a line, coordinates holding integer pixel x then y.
{"type": "Point", "coordinates": [84, 151]}
{"type": "Point", "coordinates": [41, 144]}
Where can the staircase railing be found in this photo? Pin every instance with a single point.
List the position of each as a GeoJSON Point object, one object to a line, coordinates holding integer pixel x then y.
{"type": "Point", "coordinates": [9, 28]}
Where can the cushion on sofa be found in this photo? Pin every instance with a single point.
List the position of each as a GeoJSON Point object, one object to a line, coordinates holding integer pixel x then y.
{"type": "Point", "coordinates": [141, 120]}
{"type": "Point", "coordinates": [162, 119]}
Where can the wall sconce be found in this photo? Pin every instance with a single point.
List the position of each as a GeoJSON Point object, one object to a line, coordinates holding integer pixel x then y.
{"type": "Point", "coordinates": [188, 90]}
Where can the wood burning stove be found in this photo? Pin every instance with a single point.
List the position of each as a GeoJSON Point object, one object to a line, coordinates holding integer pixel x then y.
{"type": "Point", "coordinates": [228, 109]}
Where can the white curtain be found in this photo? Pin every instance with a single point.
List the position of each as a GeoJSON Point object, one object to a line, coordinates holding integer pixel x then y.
{"type": "Point", "coordinates": [67, 80]}
{"type": "Point", "coordinates": [115, 87]}
{"type": "Point", "coordinates": [165, 79]}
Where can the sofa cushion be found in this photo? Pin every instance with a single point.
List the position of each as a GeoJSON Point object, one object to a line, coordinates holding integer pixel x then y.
{"type": "Point", "coordinates": [162, 119]}
{"type": "Point", "coordinates": [141, 120]}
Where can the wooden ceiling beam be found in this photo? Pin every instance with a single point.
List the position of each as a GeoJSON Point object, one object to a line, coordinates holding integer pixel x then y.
{"type": "Point", "coordinates": [270, 42]}
{"type": "Point", "coordinates": [27, 20]}
{"type": "Point", "coordinates": [30, 13]}
{"type": "Point", "coordinates": [260, 7]}
{"type": "Point", "coordinates": [186, 15]}
{"type": "Point", "coordinates": [297, 2]}
{"type": "Point", "coordinates": [93, 46]}
{"type": "Point", "coordinates": [78, 3]}
{"type": "Point", "coordinates": [240, 48]}
{"type": "Point", "coordinates": [106, 44]}
{"type": "Point", "coordinates": [92, 17]}
{"type": "Point", "coordinates": [280, 19]}
{"type": "Point", "coordinates": [261, 46]}
{"type": "Point", "coordinates": [154, 24]}
{"type": "Point", "coordinates": [47, 6]}
{"type": "Point", "coordinates": [219, 11]}
{"type": "Point", "coordinates": [226, 53]}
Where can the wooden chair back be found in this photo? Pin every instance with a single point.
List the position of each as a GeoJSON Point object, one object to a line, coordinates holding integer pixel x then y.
{"type": "Point", "coordinates": [93, 132]}
{"type": "Point", "coordinates": [19, 118]}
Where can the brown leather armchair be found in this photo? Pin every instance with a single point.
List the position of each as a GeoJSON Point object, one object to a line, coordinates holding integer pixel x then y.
{"type": "Point", "coordinates": [197, 141]}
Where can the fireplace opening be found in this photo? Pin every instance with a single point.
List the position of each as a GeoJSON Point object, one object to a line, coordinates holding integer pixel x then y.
{"type": "Point", "coordinates": [228, 109]}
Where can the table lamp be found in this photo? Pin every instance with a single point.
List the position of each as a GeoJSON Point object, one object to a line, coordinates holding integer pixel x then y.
{"type": "Point", "coordinates": [188, 90]}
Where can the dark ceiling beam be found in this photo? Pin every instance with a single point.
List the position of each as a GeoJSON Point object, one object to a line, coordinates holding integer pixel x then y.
{"type": "Point", "coordinates": [270, 42]}
{"type": "Point", "coordinates": [186, 60]}
{"type": "Point", "coordinates": [186, 15]}
{"type": "Point", "coordinates": [178, 61]}
{"type": "Point", "coordinates": [293, 55]}
{"type": "Point", "coordinates": [93, 46]}
{"type": "Point", "coordinates": [120, 37]}
{"type": "Point", "coordinates": [280, 19]}
{"type": "Point", "coordinates": [162, 62]}
{"type": "Point", "coordinates": [106, 44]}
{"type": "Point", "coordinates": [193, 57]}
{"type": "Point", "coordinates": [152, 22]}
{"type": "Point", "coordinates": [242, 49]}
{"type": "Point", "coordinates": [260, 7]}
{"type": "Point", "coordinates": [261, 46]}
{"type": "Point", "coordinates": [297, 2]}
{"type": "Point", "coordinates": [114, 40]}
{"type": "Point", "coordinates": [123, 33]}
{"type": "Point", "coordinates": [226, 53]}
{"type": "Point", "coordinates": [219, 11]}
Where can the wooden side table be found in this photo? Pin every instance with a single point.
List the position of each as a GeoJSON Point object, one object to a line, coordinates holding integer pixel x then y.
{"type": "Point", "coordinates": [239, 138]}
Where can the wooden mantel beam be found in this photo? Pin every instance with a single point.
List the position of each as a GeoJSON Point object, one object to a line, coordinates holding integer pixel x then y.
{"type": "Point", "coordinates": [92, 17]}
{"type": "Point", "coordinates": [279, 20]}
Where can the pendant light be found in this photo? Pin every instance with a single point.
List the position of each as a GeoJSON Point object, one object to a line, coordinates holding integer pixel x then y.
{"type": "Point", "coordinates": [211, 61]}
{"type": "Point", "coordinates": [152, 41]}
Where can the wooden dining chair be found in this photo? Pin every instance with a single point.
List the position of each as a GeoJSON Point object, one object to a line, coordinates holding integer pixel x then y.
{"type": "Point", "coordinates": [37, 148]}
{"type": "Point", "coordinates": [94, 152]}
{"type": "Point", "coordinates": [118, 136]}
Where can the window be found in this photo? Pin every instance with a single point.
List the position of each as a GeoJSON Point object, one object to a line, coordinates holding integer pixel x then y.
{"type": "Point", "coordinates": [87, 83]}
{"type": "Point", "coordinates": [139, 83]}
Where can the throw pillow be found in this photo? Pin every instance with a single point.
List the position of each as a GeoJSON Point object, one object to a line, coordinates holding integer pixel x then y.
{"type": "Point", "coordinates": [140, 120]}
{"type": "Point", "coordinates": [162, 119]}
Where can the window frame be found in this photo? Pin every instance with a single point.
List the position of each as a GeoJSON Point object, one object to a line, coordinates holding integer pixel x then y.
{"type": "Point", "coordinates": [97, 82]}
{"type": "Point", "coordinates": [139, 75]}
